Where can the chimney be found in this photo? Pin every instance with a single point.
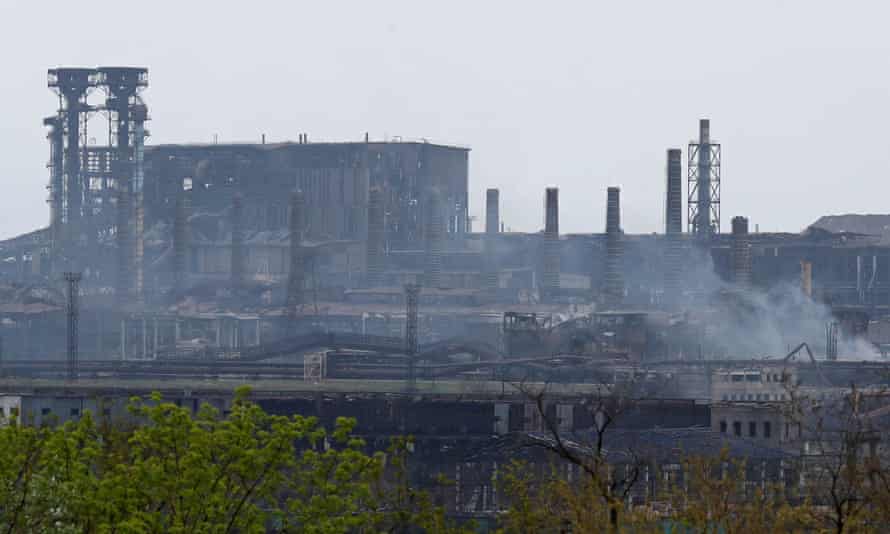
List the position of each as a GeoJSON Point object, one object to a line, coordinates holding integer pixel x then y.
{"type": "Point", "coordinates": [238, 265]}
{"type": "Point", "coordinates": [673, 226]}
{"type": "Point", "coordinates": [703, 221]}
{"type": "Point", "coordinates": [492, 223]}
{"type": "Point", "coordinates": [613, 291]}
{"type": "Point", "coordinates": [434, 240]}
{"type": "Point", "coordinates": [180, 243]}
{"type": "Point", "coordinates": [296, 272]}
{"type": "Point", "coordinates": [741, 252]}
{"type": "Point", "coordinates": [376, 238]}
{"type": "Point", "coordinates": [550, 278]}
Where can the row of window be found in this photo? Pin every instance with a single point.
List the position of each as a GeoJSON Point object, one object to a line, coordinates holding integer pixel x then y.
{"type": "Point", "coordinates": [753, 377]}
{"type": "Point", "coordinates": [752, 428]}
{"type": "Point", "coordinates": [73, 412]}
{"type": "Point", "coordinates": [755, 397]}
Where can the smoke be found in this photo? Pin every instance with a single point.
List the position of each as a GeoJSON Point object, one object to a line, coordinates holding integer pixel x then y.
{"type": "Point", "coordinates": [744, 322]}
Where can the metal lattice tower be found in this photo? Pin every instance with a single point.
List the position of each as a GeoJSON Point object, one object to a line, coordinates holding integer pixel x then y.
{"type": "Point", "coordinates": [296, 276]}
{"type": "Point", "coordinates": [73, 313]}
{"type": "Point", "coordinates": [72, 85]}
{"type": "Point", "coordinates": [703, 182]}
{"type": "Point", "coordinates": [551, 266]}
{"type": "Point", "coordinates": [412, 299]}
{"type": "Point", "coordinates": [673, 225]}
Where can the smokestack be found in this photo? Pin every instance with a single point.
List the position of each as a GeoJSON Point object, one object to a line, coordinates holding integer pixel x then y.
{"type": "Point", "coordinates": [673, 226]}
{"type": "Point", "coordinates": [492, 223]}
{"type": "Point", "coordinates": [376, 238]}
{"type": "Point", "coordinates": [139, 116]}
{"type": "Point", "coordinates": [492, 211]}
{"type": "Point", "coordinates": [741, 252]}
{"type": "Point", "coordinates": [296, 274]}
{"type": "Point", "coordinates": [237, 267]}
{"type": "Point", "coordinates": [702, 223]}
{"type": "Point", "coordinates": [434, 240]}
{"type": "Point", "coordinates": [550, 278]}
{"type": "Point", "coordinates": [57, 147]}
{"type": "Point", "coordinates": [180, 243]}
{"type": "Point", "coordinates": [806, 277]}
{"type": "Point", "coordinates": [613, 291]}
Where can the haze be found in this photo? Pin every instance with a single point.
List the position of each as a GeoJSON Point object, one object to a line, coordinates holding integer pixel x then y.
{"type": "Point", "coordinates": [578, 94]}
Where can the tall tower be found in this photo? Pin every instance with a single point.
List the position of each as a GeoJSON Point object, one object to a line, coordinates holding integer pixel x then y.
{"type": "Point", "coordinates": [492, 224]}
{"type": "Point", "coordinates": [434, 240]}
{"type": "Point", "coordinates": [376, 242]}
{"type": "Point", "coordinates": [126, 128]}
{"type": "Point", "coordinates": [550, 278]}
{"type": "Point", "coordinates": [56, 138]}
{"type": "Point", "coordinates": [704, 184]}
{"type": "Point", "coordinates": [296, 274]}
{"type": "Point", "coordinates": [673, 225]}
{"type": "Point", "coordinates": [741, 252]}
{"type": "Point", "coordinates": [613, 292]}
{"type": "Point", "coordinates": [72, 85]}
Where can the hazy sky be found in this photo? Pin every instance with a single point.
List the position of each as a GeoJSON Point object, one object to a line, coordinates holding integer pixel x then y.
{"type": "Point", "coordinates": [582, 95]}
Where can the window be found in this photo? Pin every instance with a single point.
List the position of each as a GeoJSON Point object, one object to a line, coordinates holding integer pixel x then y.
{"type": "Point", "coordinates": [2, 411]}
{"type": "Point", "coordinates": [767, 429]}
{"type": "Point", "coordinates": [737, 428]}
{"type": "Point", "coordinates": [724, 396]}
{"type": "Point", "coordinates": [106, 411]}
{"type": "Point", "coordinates": [723, 427]}
{"type": "Point", "coordinates": [737, 378]}
{"type": "Point", "coordinates": [75, 412]}
{"type": "Point", "coordinates": [753, 378]}
{"type": "Point", "coordinates": [752, 429]}
{"type": "Point", "coordinates": [45, 411]}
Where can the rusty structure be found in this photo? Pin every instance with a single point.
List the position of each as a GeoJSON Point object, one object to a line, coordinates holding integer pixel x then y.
{"type": "Point", "coordinates": [550, 278]}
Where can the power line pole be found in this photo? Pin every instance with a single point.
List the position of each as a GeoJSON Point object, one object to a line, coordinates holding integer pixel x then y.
{"type": "Point", "coordinates": [73, 280]}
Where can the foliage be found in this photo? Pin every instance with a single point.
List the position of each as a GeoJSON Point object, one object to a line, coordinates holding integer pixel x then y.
{"type": "Point", "coordinates": [247, 471]}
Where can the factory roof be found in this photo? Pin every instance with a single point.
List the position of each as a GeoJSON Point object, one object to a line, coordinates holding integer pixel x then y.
{"type": "Point", "coordinates": [307, 146]}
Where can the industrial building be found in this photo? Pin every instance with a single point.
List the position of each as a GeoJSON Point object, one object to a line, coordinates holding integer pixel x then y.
{"type": "Point", "coordinates": [345, 278]}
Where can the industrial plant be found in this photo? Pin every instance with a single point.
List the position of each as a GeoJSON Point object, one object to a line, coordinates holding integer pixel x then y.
{"type": "Point", "coordinates": [347, 279]}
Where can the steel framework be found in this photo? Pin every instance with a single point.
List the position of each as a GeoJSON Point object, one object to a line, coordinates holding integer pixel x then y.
{"type": "Point", "coordinates": [703, 166]}
{"type": "Point", "coordinates": [73, 313]}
